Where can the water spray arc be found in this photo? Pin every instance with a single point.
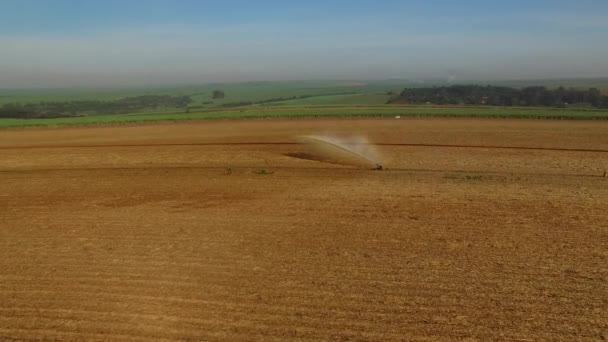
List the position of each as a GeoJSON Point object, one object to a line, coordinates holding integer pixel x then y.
{"type": "Point", "coordinates": [354, 151]}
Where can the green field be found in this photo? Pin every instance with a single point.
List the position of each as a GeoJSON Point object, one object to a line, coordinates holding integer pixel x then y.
{"type": "Point", "coordinates": [294, 112]}
{"type": "Point", "coordinates": [279, 99]}
{"type": "Point", "coordinates": [328, 92]}
{"type": "Point", "coordinates": [337, 100]}
{"type": "Point", "coordinates": [201, 95]}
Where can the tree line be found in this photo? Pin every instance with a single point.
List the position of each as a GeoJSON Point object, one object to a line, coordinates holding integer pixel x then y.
{"type": "Point", "coordinates": [92, 107]}
{"type": "Point", "coordinates": [503, 96]}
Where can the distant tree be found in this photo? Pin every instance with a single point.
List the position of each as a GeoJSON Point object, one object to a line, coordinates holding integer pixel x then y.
{"type": "Point", "coordinates": [504, 96]}
{"type": "Point", "coordinates": [86, 107]}
{"type": "Point", "coordinates": [218, 94]}
{"type": "Point", "coordinates": [595, 97]}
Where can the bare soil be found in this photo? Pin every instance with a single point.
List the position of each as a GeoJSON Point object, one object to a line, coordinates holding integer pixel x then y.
{"type": "Point", "coordinates": [231, 230]}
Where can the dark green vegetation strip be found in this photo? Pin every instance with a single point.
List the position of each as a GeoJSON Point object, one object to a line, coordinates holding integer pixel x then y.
{"type": "Point", "coordinates": [504, 96]}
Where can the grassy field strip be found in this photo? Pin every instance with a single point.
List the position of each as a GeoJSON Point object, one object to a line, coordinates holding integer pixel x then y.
{"type": "Point", "coordinates": [201, 95]}
{"type": "Point", "coordinates": [344, 99]}
{"type": "Point", "coordinates": [318, 112]}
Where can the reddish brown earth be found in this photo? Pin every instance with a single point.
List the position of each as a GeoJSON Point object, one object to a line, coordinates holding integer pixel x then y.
{"type": "Point", "coordinates": [211, 231]}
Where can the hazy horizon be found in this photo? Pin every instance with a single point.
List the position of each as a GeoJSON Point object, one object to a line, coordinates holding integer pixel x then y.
{"type": "Point", "coordinates": [67, 44]}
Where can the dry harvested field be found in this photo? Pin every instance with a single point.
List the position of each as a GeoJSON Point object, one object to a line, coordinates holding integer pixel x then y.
{"type": "Point", "coordinates": [214, 231]}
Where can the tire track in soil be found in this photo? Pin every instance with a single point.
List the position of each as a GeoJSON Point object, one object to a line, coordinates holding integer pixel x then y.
{"type": "Point", "coordinates": [332, 169]}
{"type": "Point", "coordinates": [495, 147]}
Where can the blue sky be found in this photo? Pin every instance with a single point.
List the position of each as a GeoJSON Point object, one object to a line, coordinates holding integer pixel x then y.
{"type": "Point", "coordinates": [64, 43]}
